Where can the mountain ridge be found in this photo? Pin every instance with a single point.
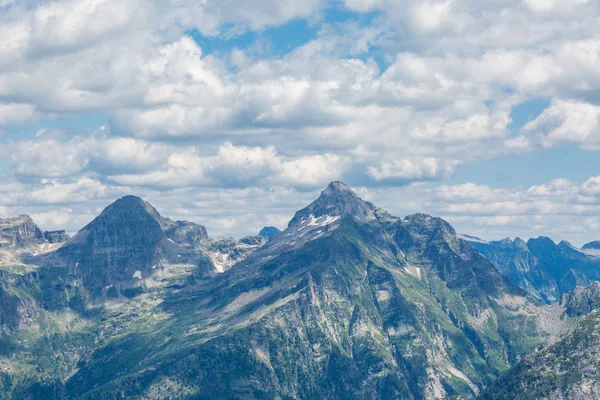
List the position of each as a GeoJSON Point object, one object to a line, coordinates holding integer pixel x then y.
{"type": "Point", "coordinates": [347, 302]}
{"type": "Point", "coordinates": [387, 262]}
{"type": "Point", "coordinates": [545, 269]}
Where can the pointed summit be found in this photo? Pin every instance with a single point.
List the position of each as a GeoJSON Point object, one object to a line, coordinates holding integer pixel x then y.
{"type": "Point", "coordinates": [131, 207]}
{"type": "Point", "coordinates": [339, 187]}
{"type": "Point", "coordinates": [126, 243]}
{"type": "Point", "coordinates": [118, 246]}
{"type": "Point", "coordinates": [338, 200]}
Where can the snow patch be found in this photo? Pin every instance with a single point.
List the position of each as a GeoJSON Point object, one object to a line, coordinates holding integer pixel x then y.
{"type": "Point", "coordinates": [45, 248]}
{"type": "Point", "coordinates": [414, 271]}
{"type": "Point", "coordinates": [137, 275]}
{"type": "Point", "coordinates": [323, 220]}
{"type": "Point", "coordinates": [220, 260]}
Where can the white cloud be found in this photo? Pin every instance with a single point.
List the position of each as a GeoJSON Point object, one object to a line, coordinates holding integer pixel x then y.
{"type": "Point", "coordinates": [430, 16]}
{"type": "Point", "coordinates": [210, 16]}
{"type": "Point", "coordinates": [235, 166]}
{"type": "Point", "coordinates": [363, 5]}
{"type": "Point", "coordinates": [11, 114]}
{"type": "Point", "coordinates": [409, 93]}
{"type": "Point", "coordinates": [71, 24]}
{"type": "Point", "coordinates": [566, 121]}
{"type": "Point", "coordinates": [49, 156]}
{"type": "Point", "coordinates": [553, 6]}
{"type": "Point", "coordinates": [411, 170]}
{"type": "Point", "coordinates": [314, 170]}
{"type": "Point", "coordinates": [561, 208]}
{"type": "Point", "coordinates": [54, 192]}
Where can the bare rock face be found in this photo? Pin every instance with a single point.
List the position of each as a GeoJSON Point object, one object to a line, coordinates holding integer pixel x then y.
{"type": "Point", "coordinates": [19, 232]}
{"type": "Point", "coordinates": [127, 243]}
{"type": "Point", "coordinates": [226, 252]}
{"type": "Point", "coordinates": [56, 236]}
{"type": "Point", "coordinates": [336, 201]}
{"type": "Point", "coordinates": [269, 232]}
{"type": "Point", "coordinates": [545, 269]}
{"type": "Point", "coordinates": [121, 246]}
{"type": "Point", "coordinates": [567, 370]}
{"type": "Point", "coordinates": [582, 300]}
{"type": "Point", "coordinates": [186, 233]}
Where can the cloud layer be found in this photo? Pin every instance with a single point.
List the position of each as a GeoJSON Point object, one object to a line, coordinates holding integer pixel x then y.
{"type": "Point", "coordinates": [380, 94]}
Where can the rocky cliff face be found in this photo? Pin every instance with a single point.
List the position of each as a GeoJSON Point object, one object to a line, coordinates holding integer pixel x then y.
{"type": "Point", "coordinates": [568, 370]}
{"type": "Point", "coordinates": [120, 246]}
{"type": "Point", "coordinates": [127, 243]}
{"type": "Point", "coordinates": [54, 237]}
{"type": "Point", "coordinates": [226, 252]}
{"type": "Point", "coordinates": [20, 231]}
{"type": "Point", "coordinates": [543, 268]}
{"type": "Point", "coordinates": [582, 300]}
{"type": "Point", "coordinates": [185, 233]}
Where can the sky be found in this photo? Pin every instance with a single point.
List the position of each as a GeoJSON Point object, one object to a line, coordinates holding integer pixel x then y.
{"type": "Point", "coordinates": [237, 113]}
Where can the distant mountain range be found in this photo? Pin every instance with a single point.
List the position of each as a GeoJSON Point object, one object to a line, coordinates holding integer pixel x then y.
{"type": "Point", "coordinates": [348, 302]}
{"type": "Point", "coordinates": [543, 268]}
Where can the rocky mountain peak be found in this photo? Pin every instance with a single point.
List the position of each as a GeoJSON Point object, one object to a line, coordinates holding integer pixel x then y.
{"type": "Point", "coordinates": [424, 228]}
{"type": "Point", "coordinates": [542, 241]}
{"type": "Point", "coordinates": [124, 242]}
{"type": "Point", "coordinates": [269, 232]}
{"type": "Point", "coordinates": [336, 201]}
{"type": "Point", "coordinates": [183, 232]}
{"type": "Point", "coordinates": [56, 236]}
{"type": "Point", "coordinates": [19, 231]}
{"type": "Point", "coordinates": [520, 243]}
{"type": "Point", "coordinates": [131, 205]}
{"type": "Point", "coordinates": [338, 187]}
{"type": "Point", "coordinates": [595, 245]}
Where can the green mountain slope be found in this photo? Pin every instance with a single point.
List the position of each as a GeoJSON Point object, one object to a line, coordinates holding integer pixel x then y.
{"type": "Point", "coordinates": [569, 369]}
{"type": "Point", "coordinates": [348, 302]}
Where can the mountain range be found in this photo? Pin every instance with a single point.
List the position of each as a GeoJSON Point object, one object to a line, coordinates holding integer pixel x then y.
{"type": "Point", "coordinates": [348, 302]}
{"type": "Point", "coordinates": [543, 268]}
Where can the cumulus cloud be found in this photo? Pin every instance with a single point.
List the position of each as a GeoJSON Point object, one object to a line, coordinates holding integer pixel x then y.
{"type": "Point", "coordinates": [562, 209]}
{"type": "Point", "coordinates": [409, 93]}
{"type": "Point", "coordinates": [566, 121]}
{"type": "Point", "coordinates": [51, 156]}
{"type": "Point", "coordinates": [11, 114]}
{"type": "Point", "coordinates": [238, 166]}
{"type": "Point", "coordinates": [413, 170]}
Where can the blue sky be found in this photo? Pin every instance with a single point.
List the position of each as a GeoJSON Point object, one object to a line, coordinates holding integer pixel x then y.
{"type": "Point", "coordinates": [235, 114]}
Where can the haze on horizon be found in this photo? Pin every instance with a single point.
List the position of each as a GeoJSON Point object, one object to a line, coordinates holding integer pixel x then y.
{"type": "Point", "coordinates": [484, 113]}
